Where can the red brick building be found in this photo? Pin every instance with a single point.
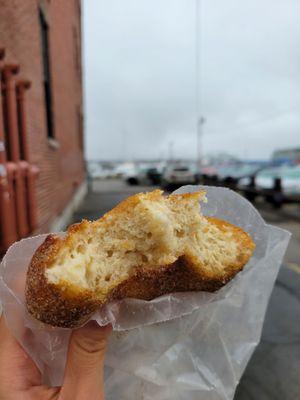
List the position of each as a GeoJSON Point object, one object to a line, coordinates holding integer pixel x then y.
{"type": "Point", "coordinates": [40, 115]}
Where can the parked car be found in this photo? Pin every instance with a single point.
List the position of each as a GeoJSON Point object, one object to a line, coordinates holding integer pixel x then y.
{"type": "Point", "coordinates": [265, 178]}
{"type": "Point", "coordinates": [290, 181]}
{"type": "Point", "coordinates": [97, 172]}
{"type": "Point", "coordinates": [137, 176]}
{"type": "Point", "coordinates": [233, 175]}
{"type": "Point", "coordinates": [277, 185]}
{"type": "Point", "coordinates": [154, 175]}
{"type": "Point", "coordinates": [177, 175]}
{"type": "Point", "coordinates": [207, 175]}
{"type": "Point", "coordinates": [144, 175]}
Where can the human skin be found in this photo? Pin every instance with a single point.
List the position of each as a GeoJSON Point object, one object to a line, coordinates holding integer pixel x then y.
{"type": "Point", "coordinates": [20, 378]}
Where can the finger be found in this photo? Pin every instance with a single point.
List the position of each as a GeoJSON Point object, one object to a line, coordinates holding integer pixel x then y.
{"type": "Point", "coordinates": [41, 392]}
{"type": "Point", "coordinates": [19, 376]}
{"type": "Point", "coordinates": [14, 358]}
{"type": "Point", "coordinates": [85, 361]}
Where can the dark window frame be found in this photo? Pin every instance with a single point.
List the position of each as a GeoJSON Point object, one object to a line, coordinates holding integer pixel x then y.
{"type": "Point", "coordinates": [80, 127]}
{"type": "Point", "coordinates": [20, 128]}
{"type": "Point", "coordinates": [77, 52]}
{"type": "Point", "coordinates": [46, 64]}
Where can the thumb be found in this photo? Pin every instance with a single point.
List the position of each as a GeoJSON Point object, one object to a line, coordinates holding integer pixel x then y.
{"type": "Point", "coordinates": [85, 361]}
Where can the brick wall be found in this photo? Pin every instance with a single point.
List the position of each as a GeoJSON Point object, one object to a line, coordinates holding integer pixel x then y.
{"type": "Point", "coordinates": [60, 160]}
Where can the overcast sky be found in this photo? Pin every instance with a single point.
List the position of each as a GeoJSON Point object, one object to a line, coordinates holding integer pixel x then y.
{"type": "Point", "coordinates": [140, 80]}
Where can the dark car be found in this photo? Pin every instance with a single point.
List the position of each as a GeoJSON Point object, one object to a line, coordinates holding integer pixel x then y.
{"type": "Point", "coordinates": [154, 176]}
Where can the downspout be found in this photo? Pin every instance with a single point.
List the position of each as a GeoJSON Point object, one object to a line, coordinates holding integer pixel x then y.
{"type": "Point", "coordinates": [30, 171]}
{"type": "Point", "coordinates": [9, 89]}
{"type": "Point", "coordinates": [8, 221]}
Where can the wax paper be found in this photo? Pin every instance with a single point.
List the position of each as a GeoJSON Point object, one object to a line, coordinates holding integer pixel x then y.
{"type": "Point", "coordinates": [182, 346]}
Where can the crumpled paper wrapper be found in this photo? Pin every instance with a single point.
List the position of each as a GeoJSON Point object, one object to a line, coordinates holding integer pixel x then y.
{"type": "Point", "coordinates": [183, 346]}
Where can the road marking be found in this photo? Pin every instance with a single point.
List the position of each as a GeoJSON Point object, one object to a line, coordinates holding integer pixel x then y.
{"type": "Point", "coordinates": [294, 267]}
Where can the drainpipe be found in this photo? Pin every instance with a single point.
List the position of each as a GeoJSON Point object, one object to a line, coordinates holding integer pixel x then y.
{"type": "Point", "coordinates": [2, 143]}
{"type": "Point", "coordinates": [9, 89]}
{"type": "Point", "coordinates": [31, 172]}
{"type": "Point", "coordinates": [8, 222]}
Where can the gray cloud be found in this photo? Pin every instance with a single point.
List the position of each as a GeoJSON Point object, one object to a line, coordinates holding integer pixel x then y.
{"type": "Point", "coordinates": [140, 77]}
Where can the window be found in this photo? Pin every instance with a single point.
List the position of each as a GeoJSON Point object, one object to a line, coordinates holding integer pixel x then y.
{"type": "Point", "coordinates": [47, 75]}
{"type": "Point", "coordinates": [80, 127]}
{"type": "Point", "coordinates": [77, 56]}
{"type": "Point", "coordinates": [77, 39]}
{"type": "Point", "coordinates": [20, 129]}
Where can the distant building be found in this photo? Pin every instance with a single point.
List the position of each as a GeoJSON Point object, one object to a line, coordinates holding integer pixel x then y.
{"type": "Point", "coordinates": [221, 158]}
{"type": "Point", "coordinates": [289, 155]}
{"type": "Point", "coordinates": [41, 128]}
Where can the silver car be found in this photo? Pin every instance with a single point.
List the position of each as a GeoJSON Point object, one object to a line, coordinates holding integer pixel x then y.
{"type": "Point", "coordinates": [178, 175]}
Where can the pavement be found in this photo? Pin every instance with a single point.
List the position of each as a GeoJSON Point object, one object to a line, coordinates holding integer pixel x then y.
{"type": "Point", "coordinates": [273, 371]}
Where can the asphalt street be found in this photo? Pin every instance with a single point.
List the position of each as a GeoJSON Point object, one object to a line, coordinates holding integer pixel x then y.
{"type": "Point", "coordinates": [273, 371]}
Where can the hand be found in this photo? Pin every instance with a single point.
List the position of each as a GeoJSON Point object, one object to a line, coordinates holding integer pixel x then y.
{"type": "Point", "coordinates": [20, 379]}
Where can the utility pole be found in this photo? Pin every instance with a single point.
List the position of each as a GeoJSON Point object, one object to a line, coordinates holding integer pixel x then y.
{"type": "Point", "coordinates": [201, 121]}
{"type": "Point", "coordinates": [124, 137]}
{"type": "Point", "coordinates": [171, 147]}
